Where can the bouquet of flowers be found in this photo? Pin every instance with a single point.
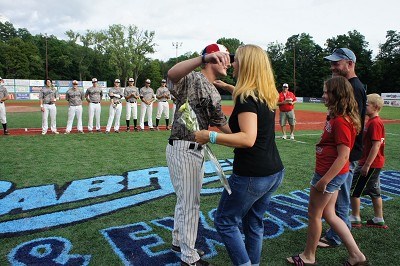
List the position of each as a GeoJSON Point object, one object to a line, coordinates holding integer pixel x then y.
{"type": "Point", "coordinates": [189, 119]}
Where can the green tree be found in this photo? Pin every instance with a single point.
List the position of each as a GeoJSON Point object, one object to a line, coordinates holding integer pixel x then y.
{"type": "Point", "coordinates": [304, 61]}
{"type": "Point", "coordinates": [387, 65]}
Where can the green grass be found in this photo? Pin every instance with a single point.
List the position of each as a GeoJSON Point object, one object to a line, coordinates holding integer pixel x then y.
{"type": "Point", "coordinates": [29, 161]}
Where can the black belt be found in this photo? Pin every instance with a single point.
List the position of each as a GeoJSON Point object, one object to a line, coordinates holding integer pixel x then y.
{"type": "Point", "coordinates": [163, 101]}
{"type": "Point", "coordinates": [49, 103]}
{"type": "Point", "coordinates": [95, 102]}
{"type": "Point", "coordinates": [131, 102]}
{"type": "Point", "coordinates": [192, 145]}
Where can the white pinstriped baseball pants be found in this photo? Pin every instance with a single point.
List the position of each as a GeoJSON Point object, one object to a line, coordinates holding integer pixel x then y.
{"type": "Point", "coordinates": [186, 170]}
{"type": "Point", "coordinates": [3, 117]}
{"type": "Point", "coordinates": [72, 111]}
{"type": "Point", "coordinates": [143, 109]}
{"type": "Point", "coordinates": [114, 112]}
{"type": "Point", "coordinates": [131, 108]}
{"type": "Point", "coordinates": [52, 109]}
{"type": "Point", "coordinates": [162, 108]}
{"type": "Point", "coordinates": [94, 111]}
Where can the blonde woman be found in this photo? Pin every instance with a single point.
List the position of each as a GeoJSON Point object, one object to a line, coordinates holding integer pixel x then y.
{"type": "Point", "coordinates": [257, 168]}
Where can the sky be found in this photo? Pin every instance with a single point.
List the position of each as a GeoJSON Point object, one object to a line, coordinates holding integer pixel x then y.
{"type": "Point", "coordinates": [183, 26]}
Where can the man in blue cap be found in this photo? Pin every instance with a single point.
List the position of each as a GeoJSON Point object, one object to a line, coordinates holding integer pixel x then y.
{"type": "Point", "coordinates": [343, 62]}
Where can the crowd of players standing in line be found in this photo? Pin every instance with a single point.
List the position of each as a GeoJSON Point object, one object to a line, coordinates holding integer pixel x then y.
{"type": "Point", "coordinates": [94, 95]}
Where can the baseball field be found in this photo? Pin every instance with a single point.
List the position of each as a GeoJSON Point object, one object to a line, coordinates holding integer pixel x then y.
{"type": "Point", "coordinates": [106, 199]}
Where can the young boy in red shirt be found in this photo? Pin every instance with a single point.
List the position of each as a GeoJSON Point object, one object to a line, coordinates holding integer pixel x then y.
{"type": "Point", "coordinates": [366, 176]}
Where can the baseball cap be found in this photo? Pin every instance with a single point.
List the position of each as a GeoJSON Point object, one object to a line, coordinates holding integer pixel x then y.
{"type": "Point", "coordinates": [94, 80]}
{"type": "Point", "coordinates": [1, 78]}
{"type": "Point", "coordinates": [215, 47]}
{"type": "Point", "coordinates": [148, 81]}
{"type": "Point", "coordinates": [75, 82]}
{"type": "Point", "coordinates": [117, 81]}
{"type": "Point", "coordinates": [131, 80]}
{"type": "Point", "coordinates": [285, 85]}
{"type": "Point", "coordinates": [340, 54]}
{"type": "Point", "coordinates": [163, 81]}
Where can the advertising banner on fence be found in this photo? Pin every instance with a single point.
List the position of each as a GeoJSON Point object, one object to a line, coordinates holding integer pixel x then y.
{"type": "Point", "coordinates": [22, 96]}
{"type": "Point", "coordinates": [391, 99]}
{"type": "Point", "coordinates": [22, 89]}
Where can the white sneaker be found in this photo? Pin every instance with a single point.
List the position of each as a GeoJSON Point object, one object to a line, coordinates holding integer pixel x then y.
{"type": "Point", "coordinates": [291, 136]}
{"type": "Point", "coordinates": [56, 132]}
{"type": "Point", "coordinates": [284, 137]}
{"type": "Point", "coordinates": [44, 133]}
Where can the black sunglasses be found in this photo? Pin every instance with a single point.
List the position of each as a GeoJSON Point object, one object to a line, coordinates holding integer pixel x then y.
{"type": "Point", "coordinates": [340, 51]}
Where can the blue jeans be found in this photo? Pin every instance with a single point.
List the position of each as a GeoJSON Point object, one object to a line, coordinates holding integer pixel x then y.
{"type": "Point", "coordinates": [246, 205]}
{"type": "Point", "coordinates": [342, 206]}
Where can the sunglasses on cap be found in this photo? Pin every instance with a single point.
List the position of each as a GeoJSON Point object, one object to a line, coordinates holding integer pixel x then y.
{"type": "Point", "coordinates": [341, 52]}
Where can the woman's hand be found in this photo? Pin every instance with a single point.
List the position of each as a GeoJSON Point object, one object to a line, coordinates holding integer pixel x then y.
{"type": "Point", "coordinates": [202, 136]}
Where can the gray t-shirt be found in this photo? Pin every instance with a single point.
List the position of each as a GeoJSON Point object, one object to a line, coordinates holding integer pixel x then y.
{"type": "Point", "coordinates": [74, 97]}
{"type": "Point", "coordinates": [116, 94]}
{"type": "Point", "coordinates": [163, 91]}
{"type": "Point", "coordinates": [131, 90]}
{"type": "Point", "coordinates": [147, 93]}
{"type": "Point", "coordinates": [205, 101]}
{"type": "Point", "coordinates": [48, 94]}
{"type": "Point", "coordinates": [95, 94]}
{"type": "Point", "coordinates": [3, 92]}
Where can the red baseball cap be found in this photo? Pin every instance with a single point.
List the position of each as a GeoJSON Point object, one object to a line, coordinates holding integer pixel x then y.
{"type": "Point", "coordinates": [212, 48]}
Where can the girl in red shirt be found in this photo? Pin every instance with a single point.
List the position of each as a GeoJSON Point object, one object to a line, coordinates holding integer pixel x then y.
{"type": "Point", "coordinates": [332, 168]}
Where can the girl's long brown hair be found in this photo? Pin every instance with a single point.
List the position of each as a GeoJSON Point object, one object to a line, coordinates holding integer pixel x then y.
{"type": "Point", "coordinates": [341, 100]}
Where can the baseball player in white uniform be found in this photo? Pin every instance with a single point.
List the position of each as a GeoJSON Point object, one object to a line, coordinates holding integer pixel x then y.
{"type": "Point", "coordinates": [131, 94]}
{"type": "Point", "coordinates": [163, 95]}
{"type": "Point", "coordinates": [47, 98]}
{"type": "Point", "coordinates": [3, 98]}
{"type": "Point", "coordinates": [74, 96]}
{"type": "Point", "coordinates": [147, 96]}
{"type": "Point", "coordinates": [116, 95]}
{"type": "Point", "coordinates": [185, 157]}
{"type": "Point", "coordinates": [94, 95]}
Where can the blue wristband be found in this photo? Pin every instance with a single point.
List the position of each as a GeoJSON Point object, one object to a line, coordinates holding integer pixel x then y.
{"type": "Point", "coordinates": [213, 137]}
{"type": "Point", "coordinates": [203, 58]}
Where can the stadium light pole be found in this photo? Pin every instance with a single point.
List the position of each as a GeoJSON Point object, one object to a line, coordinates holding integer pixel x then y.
{"type": "Point", "coordinates": [176, 45]}
{"type": "Point", "coordinates": [47, 63]}
{"type": "Point", "coordinates": [294, 68]}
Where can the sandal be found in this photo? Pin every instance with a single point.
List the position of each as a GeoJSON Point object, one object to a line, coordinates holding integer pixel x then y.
{"type": "Point", "coordinates": [360, 263]}
{"type": "Point", "coordinates": [298, 261]}
{"type": "Point", "coordinates": [327, 243]}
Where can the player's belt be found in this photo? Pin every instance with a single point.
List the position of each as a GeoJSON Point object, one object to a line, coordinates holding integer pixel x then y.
{"type": "Point", "coordinates": [49, 103]}
{"type": "Point", "coordinates": [192, 145]}
{"type": "Point", "coordinates": [95, 102]}
{"type": "Point", "coordinates": [164, 101]}
{"type": "Point", "coordinates": [133, 102]}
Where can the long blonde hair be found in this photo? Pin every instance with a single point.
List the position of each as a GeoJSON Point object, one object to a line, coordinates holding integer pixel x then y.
{"type": "Point", "coordinates": [255, 76]}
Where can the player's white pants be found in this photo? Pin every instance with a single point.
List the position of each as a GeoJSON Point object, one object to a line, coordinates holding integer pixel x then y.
{"type": "Point", "coordinates": [186, 170]}
{"type": "Point", "coordinates": [52, 109]}
{"type": "Point", "coordinates": [114, 112]}
{"type": "Point", "coordinates": [173, 113]}
{"type": "Point", "coordinates": [131, 108]}
{"type": "Point", "coordinates": [72, 111]}
{"type": "Point", "coordinates": [94, 111]}
{"type": "Point", "coordinates": [163, 108]}
{"type": "Point", "coordinates": [149, 109]}
{"type": "Point", "coordinates": [3, 117]}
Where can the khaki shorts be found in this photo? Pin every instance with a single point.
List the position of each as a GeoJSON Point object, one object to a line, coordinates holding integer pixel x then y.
{"type": "Point", "coordinates": [287, 117]}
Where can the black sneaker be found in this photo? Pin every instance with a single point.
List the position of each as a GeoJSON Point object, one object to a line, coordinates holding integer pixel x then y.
{"type": "Point", "coordinates": [200, 262]}
{"type": "Point", "coordinates": [371, 223]}
{"type": "Point", "coordinates": [136, 129]}
{"type": "Point", "coordinates": [128, 129]}
{"type": "Point", "coordinates": [178, 249]}
{"type": "Point", "coordinates": [6, 132]}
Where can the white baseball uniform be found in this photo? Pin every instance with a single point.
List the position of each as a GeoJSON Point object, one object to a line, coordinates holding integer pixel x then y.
{"type": "Point", "coordinates": [48, 95]}
{"type": "Point", "coordinates": [94, 95]}
{"type": "Point", "coordinates": [146, 93]}
{"type": "Point", "coordinates": [74, 96]}
{"type": "Point", "coordinates": [115, 108]}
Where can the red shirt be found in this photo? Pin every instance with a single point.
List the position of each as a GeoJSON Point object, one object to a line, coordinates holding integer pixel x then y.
{"type": "Point", "coordinates": [286, 107]}
{"type": "Point", "coordinates": [374, 131]}
{"type": "Point", "coordinates": [337, 131]}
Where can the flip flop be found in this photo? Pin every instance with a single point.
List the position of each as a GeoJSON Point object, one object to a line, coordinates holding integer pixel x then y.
{"type": "Point", "coordinates": [327, 242]}
{"type": "Point", "coordinates": [297, 261]}
{"type": "Point", "coordinates": [360, 263]}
